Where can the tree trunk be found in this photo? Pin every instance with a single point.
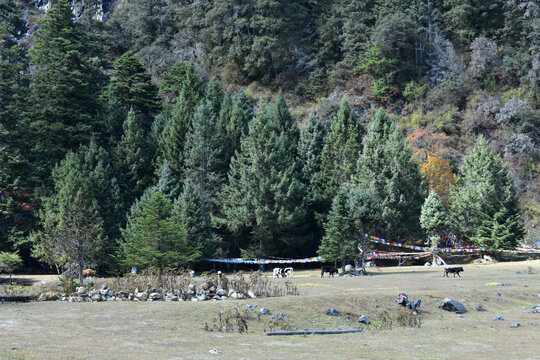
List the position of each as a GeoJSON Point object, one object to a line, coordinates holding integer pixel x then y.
{"type": "Point", "coordinates": [81, 269]}
{"type": "Point", "coordinates": [10, 280]}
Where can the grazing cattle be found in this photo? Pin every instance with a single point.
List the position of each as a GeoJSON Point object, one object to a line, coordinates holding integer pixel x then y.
{"type": "Point", "coordinates": [89, 272]}
{"type": "Point", "coordinates": [288, 272]}
{"type": "Point", "coordinates": [330, 270]}
{"type": "Point", "coordinates": [278, 272]}
{"type": "Point", "coordinates": [453, 270]}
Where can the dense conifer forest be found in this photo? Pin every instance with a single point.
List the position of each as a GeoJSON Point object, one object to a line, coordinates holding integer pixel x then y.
{"type": "Point", "coordinates": [161, 132]}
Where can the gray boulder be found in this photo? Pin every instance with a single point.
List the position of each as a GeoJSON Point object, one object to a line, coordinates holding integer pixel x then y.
{"type": "Point", "coordinates": [364, 319]}
{"type": "Point", "coordinates": [96, 297]}
{"type": "Point", "coordinates": [498, 317]}
{"type": "Point", "coordinates": [479, 308]}
{"type": "Point", "coordinates": [515, 325]}
{"type": "Point", "coordinates": [251, 294]}
{"type": "Point", "coordinates": [216, 297]}
{"type": "Point", "coordinates": [453, 306]}
{"type": "Point", "coordinates": [349, 268]}
{"type": "Point", "coordinates": [221, 292]}
{"type": "Point", "coordinates": [202, 297]}
{"type": "Point", "coordinates": [332, 312]}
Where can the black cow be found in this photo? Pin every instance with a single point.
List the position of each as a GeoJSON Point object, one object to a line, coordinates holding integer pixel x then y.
{"type": "Point", "coordinates": [453, 270]}
{"type": "Point", "coordinates": [328, 269]}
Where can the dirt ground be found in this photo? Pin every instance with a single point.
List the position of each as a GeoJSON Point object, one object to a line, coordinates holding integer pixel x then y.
{"type": "Point", "coordinates": [175, 330]}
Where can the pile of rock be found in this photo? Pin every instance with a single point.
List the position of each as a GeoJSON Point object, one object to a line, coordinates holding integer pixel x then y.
{"type": "Point", "coordinates": [202, 292]}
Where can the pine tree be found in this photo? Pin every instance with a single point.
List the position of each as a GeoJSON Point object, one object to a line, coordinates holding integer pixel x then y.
{"type": "Point", "coordinates": [133, 159]}
{"type": "Point", "coordinates": [204, 158]}
{"type": "Point", "coordinates": [434, 218]}
{"type": "Point", "coordinates": [213, 95]}
{"type": "Point", "coordinates": [310, 151]}
{"type": "Point", "coordinates": [388, 167]}
{"type": "Point", "coordinates": [484, 205]}
{"type": "Point", "coordinates": [339, 155]}
{"type": "Point", "coordinates": [238, 123]}
{"type": "Point", "coordinates": [173, 139]}
{"type": "Point", "coordinates": [62, 90]}
{"type": "Point", "coordinates": [180, 74]}
{"type": "Point", "coordinates": [72, 227]}
{"type": "Point", "coordinates": [265, 196]}
{"type": "Point", "coordinates": [167, 183]}
{"type": "Point", "coordinates": [14, 169]}
{"type": "Point", "coordinates": [190, 211]}
{"type": "Point", "coordinates": [354, 212]}
{"type": "Point", "coordinates": [132, 86]}
{"type": "Point", "coordinates": [153, 238]}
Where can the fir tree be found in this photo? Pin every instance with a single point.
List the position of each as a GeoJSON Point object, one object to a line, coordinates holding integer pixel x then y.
{"type": "Point", "coordinates": [354, 211]}
{"type": "Point", "coordinates": [339, 155]}
{"type": "Point", "coordinates": [190, 211]}
{"type": "Point", "coordinates": [62, 89]}
{"type": "Point", "coordinates": [213, 95]}
{"type": "Point", "coordinates": [204, 158]}
{"type": "Point", "coordinates": [434, 218]}
{"type": "Point", "coordinates": [132, 86]}
{"type": "Point", "coordinates": [173, 139]}
{"type": "Point", "coordinates": [238, 123]}
{"type": "Point", "coordinates": [265, 196]}
{"type": "Point", "coordinates": [153, 238]}
{"type": "Point", "coordinates": [387, 167]}
{"type": "Point", "coordinates": [72, 227]}
{"type": "Point", "coordinates": [180, 74]}
{"type": "Point", "coordinates": [133, 159]}
{"type": "Point", "coordinates": [167, 183]}
{"type": "Point", "coordinates": [310, 151]}
{"type": "Point", "coordinates": [484, 204]}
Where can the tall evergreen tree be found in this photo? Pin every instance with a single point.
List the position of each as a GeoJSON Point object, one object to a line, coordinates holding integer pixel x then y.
{"type": "Point", "coordinates": [386, 165]}
{"type": "Point", "coordinates": [72, 226]}
{"type": "Point", "coordinates": [339, 155]}
{"type": "Point", "coordinates": [180, 74]}
{"type": "Point", "coordinates": [63, 91]}
{"type": "Point", "coordinates": [132, 85]}
{"type": "Point", "coordinates": [310, 152]}
{"type": "Point", "coordinates": [354, 212]}
{"type": "Point", "coordinates": [204, 156]}
{"type": "Point", "coordinates": [133, 159]}
{"type": "Point", "coordinates": [434, 219]}
{"type": "Point", "coordinates": [14, 171]}
{"type": "Point", "coordinates": [153, 238]}
{"type": "Point", "coordinates": [167, 183]}
{"type": "Point", "coordinates": [265, 196]}
{"type": "Point", "coordinates": [238, 123]}
{"type": "Point", "coordinates": [173, 139]}
{"type": "Point", "coordinates": [191, 213]}
{"type": "Point", "coordinates": [484, 205]}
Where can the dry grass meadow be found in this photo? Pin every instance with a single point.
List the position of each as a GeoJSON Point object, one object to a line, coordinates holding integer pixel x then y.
{"type": "Point", "coordinates": [175, 330]}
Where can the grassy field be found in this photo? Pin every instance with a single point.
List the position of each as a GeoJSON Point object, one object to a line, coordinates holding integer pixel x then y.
{"type": "Point", "coordinates": [175, 330]}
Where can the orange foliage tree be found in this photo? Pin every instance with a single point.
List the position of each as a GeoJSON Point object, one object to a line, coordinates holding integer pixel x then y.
{"type": "Point", "coordinates": [428, 140]}
{"type": "Point", "coordinates": [438, 175]}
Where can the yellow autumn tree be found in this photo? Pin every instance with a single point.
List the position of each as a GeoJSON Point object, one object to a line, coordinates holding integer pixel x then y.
{"type": "Point", "coordinates": [438, 176]}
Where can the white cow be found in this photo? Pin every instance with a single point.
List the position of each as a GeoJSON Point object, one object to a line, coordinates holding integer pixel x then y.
{"type": "Point", "coordinates": [288, 272]}
{"type": "Point", "coordinates": [278, 272]}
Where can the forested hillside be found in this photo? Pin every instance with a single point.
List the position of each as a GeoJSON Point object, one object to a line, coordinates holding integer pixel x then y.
{"type": "Point", "coordinates": [160, 132]}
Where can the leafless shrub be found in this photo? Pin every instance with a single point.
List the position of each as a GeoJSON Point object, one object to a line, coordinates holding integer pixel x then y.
{"type": "Point", "coordinates": [407, 318]}
{"type": "Point", "coordinates": [229, 320]}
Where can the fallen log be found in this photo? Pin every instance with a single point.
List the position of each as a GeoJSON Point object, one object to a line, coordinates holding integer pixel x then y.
{"type": "Point", "coordinates": [312, 332]}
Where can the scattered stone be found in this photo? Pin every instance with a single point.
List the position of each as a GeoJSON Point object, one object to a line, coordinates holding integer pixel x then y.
{"type": "Point", "coordinates": [264, 311]}
{"type": "Point", "coordinates": [281, 315]}
{"type": "Point", "coordinates": [141, 296]}
{"type": "Point", "coordinates": [499, 294]}
{"type": "Point", "coordinates": [214, 352]}
{"type": "Point", "coordinates": [504, 284]}
{"type": "Point", "coordinates": [105, 287]}
{"type": "Point", "coordinates": [349, 269]}
{"type": "Point", "coordinates": [498, 317]}
{"type": "Point", "coordinates": [221, 292]}
{"type": "Point", "coordinates": [453, 306]}
{"type": "Point", "coordinates": [515, 325]}
{"type": "Point", "coordinates": [518, 272]}
{"type": "Point", "coordinates": [332, 312]}
{"type": "Point", "coordinates": [364, 319]}
{"type": "Point", "coordinates": [96, 298]}
{"type": "Point", "coordinates": [533, 323]}
{"type": "Point", "coordinates": [271, 317]}
{"type": "Point", "coordinates": [480, 308]}
{"type": "Point", "coordinates": [202, 297]}
{"type": "Point", "coordinates": [81, 290]}
{"type": "Point", "coordinates": [427, 263]}
{"type": "Point", "coordinates": [216, 297]}
{"type": "Point", "coordinates": [251, 294]}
